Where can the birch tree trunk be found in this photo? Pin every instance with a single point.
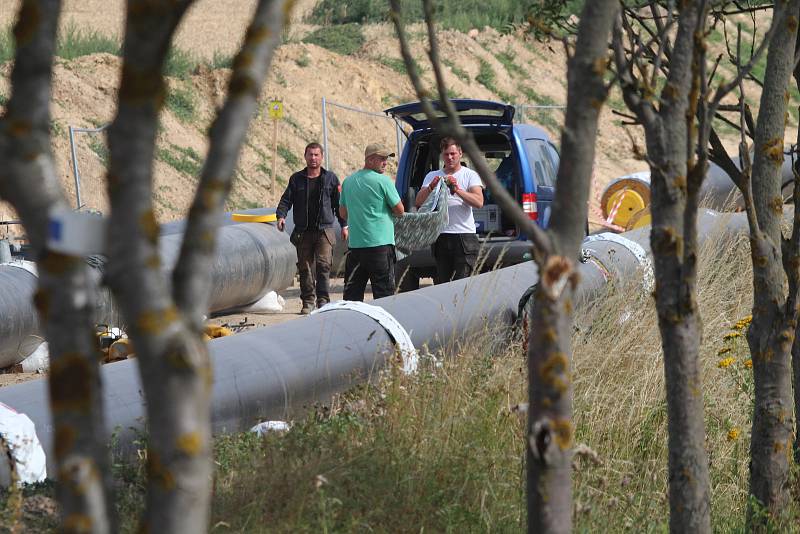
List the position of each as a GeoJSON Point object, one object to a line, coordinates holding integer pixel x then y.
{"type": "Point", "coordinates": [670, 150]}
{"type": "Point", "coordinates": [796, 343]}
{"type": "Point", "coordinates": [550, 428]}
{"type": "Point", "coordinates": [65, 295]}
{"type": "Point", "coordinates": [771, 333]}
{"type": "Point", "coordinates": [173, 359]}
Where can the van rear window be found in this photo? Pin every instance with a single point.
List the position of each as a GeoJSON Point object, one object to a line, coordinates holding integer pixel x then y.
{"type": "Point", "coordinates": [491, 113]}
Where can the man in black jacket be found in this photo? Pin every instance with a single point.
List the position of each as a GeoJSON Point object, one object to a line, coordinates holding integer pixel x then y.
{"type": "Point", "coordinates": [314, 194]}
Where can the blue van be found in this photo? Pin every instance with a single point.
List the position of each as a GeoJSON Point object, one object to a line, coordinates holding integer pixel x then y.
{"type": "Point", "coordinates": [523, 157]}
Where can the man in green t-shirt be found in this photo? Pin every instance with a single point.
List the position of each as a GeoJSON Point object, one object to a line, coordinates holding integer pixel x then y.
{"type": "Point", "coordinates": [368, 201]}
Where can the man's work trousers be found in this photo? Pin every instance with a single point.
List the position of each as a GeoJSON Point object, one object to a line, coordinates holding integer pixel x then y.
{"type": "Point", "coordinates": [456, 255]}
{"type": "Point", "coordinates": [375, 264]}
{"type": "Point", "coordinates": [314, 258]}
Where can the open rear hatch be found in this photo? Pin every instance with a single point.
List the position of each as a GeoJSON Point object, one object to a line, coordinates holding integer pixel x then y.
{"type": "Point", "coordinates": [469, 112]}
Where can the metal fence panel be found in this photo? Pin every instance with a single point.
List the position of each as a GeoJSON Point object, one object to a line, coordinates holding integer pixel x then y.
{"type": "Point", "coordinates": [346, 130]}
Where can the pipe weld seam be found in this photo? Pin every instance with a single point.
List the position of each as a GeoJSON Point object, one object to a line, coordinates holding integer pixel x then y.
{"type": "Point", "coordinates": [396, 331]}
{"type": "Point", "coordinates": [634, 248]}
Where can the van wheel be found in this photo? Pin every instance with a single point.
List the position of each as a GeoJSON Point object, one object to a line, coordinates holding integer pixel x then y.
{"type": "Point", "coordinates": [406, 279]}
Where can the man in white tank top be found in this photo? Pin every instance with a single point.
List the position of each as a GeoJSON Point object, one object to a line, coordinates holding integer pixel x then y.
{"type": "Point", "coordinates": [456, 249]}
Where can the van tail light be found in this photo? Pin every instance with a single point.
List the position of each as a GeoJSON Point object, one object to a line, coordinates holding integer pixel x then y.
{"type": "Point", "coordinates": [529, 206]}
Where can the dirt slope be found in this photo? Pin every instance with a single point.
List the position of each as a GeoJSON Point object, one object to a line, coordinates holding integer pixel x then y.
{"type": "Point", "coordinates": [510, 68]}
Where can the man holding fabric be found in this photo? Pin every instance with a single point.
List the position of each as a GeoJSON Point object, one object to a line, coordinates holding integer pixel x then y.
{"type": "Point", "coordinates": [456, 249]}
{"type": "Point", "coordinates": [368, 201]}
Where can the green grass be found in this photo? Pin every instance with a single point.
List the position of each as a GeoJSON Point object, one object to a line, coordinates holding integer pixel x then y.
{"type": "Point", "coordinates": [543, 117]}
{"type": "Point", "coordinates": [279, 79]}
{"type": "Point", "coordinates": [263, 167]}
{"type": "Point", "coordinates": [183, 159]}
{"type": "Point", "coordinates": [507, 60]}
{"type": "Point", "coordinates": [74, 43]}
{"type": "Point", "coordinates": [180, 63]}
{"type": "Point", "coordinates": [486, 76]}
{"type": "Point", "coordinates": [457, 14]}
{"type": "Point", "coordinates": [98, 146]}
{"type": "Point", "coordinates": [182, 103]}
{"type": "Point", "coordinates": [56, 128]}
{"type": "Point", "coordinates": [6, 45]}
{"type": "Point", "coordinates": [455, 69]}
{"type": "Point", "coordinates": [221, 61]}
{"type": "Point", "coordinates": [345, 39]}
{"type": "Point", "coordinates": [289, 157]}
{"type": "Point", "coordinates": [396, 64]}
{"type": "Point", "coordinates": [304, 60]}
{"type": "Point", "coordinates": [291, 121]}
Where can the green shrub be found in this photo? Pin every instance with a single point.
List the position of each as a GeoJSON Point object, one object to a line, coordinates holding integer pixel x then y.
{"type": "Point", "coordinates": [74, 43]}
{"type": "Point", "coordinates": [345, 39]}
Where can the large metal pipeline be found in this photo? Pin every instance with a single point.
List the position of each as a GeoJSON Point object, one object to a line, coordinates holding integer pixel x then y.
{"type": "Point", "coordinates": [251, 259]}
{"type": "Point", "coordinates": [273, 372]}
{"type": "Point", "coordinates": [625, 201]}
{"type": "Point", "coordinates": [19, 331]}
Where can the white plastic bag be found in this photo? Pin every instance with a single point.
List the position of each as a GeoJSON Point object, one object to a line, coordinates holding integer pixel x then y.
{"type": "Point", "coordinates": [269, 303]}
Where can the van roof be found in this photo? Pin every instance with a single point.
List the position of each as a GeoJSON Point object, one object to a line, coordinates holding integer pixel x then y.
{"type": "Point", "coordinates": [469, 111]}
{"type": "Point", "coordinates": [531, 131]}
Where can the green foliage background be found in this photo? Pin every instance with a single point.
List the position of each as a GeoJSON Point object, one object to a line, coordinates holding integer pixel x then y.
{"type": "Point", "coordinates": [457, 14]}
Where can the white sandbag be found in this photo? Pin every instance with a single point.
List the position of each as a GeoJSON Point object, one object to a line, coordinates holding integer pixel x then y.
{"type": "Point", "coordinates": [269, 303]}
{"type": "Point", "coordinates": [19, 434]}
{"type": "Point", "coordinates": [268, 427]}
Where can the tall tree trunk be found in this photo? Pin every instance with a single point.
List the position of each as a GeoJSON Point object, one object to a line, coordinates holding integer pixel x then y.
{"type": "Point", "coordinates": [173, 362]}
{"type": "Point", "coordinates": [675, 291]}
{"type": "Point", "coordinates": [796, 343]}
{"type": "Point", "coordinates": [550, 428]}
{"type": "Point", "coordinates": [774, 316]}
{"type": "Point", "coordinates": [65, 296]}
{"type": "Point", "coordinates": [670, 150]}
{"type": "Point", "coordinates": [165, 324]}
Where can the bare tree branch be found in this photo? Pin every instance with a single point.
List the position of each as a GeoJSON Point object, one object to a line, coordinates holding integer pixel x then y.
{"type": "Point", "coordinates": [66, 291]}
{"type": "Point", "coordinates": [192, 275]}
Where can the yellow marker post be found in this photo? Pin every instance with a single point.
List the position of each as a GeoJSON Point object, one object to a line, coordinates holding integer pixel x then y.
{"type": "Point", "coordinates": [276, 114]}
